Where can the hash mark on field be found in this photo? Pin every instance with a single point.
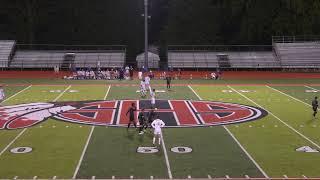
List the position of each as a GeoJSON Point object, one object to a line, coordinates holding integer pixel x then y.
{"type": "Point", "coordinates": [209, 177]}
{"type": "Point", "coordinates": [305, 177]}
{"type": "Point", "coordinates": [286, 124]}
{"type": "Point", "coordinates": [227, 176]}
{"type": "Point", "coordinates": [93, 177]}
{"type": "Point", "coordinates": [16, 177]}
{"type": "Point", "coordinates": [285, 176]}
{"type": "Point", "coordinates": [247, 177]}
{"type": "Point", "coordinates": [35, 177]}
{"type": "Point", "coordinates": [113, 177]}
{"type": "Point", "coordinates": [236, 140]}
{"type": "Point", "coordinates": [54, 177]}
{"type": "Point", "coordinates": [151, 177]}
{"type": "Point", "coordinates": [189, 177]}
{"type": "Point", "coordinates": [131, 177]}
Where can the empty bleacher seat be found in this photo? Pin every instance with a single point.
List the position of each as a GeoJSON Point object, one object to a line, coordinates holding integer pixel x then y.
{"type": "Point", "coordinates": [6, 49]}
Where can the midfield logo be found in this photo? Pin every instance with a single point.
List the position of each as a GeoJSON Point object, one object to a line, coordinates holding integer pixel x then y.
{"type": "Point", "coordinates": [175, 113]}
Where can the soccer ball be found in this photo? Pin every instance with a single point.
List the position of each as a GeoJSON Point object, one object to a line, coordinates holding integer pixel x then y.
{"type": "Point", "coordinates": [155, 108]}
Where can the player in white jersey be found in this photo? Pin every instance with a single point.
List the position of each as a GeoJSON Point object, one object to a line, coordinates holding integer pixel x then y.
{"type": "Point", "coordinates": [143, 88]}
{"type": "Point", "coordinates": [153, 99]}
{"type": "Point", "coordinates": [147, 81]}
{"type": "Point", "coordinates": [157, 124]}
{"type": "Point", "coordinates": [2, 96]}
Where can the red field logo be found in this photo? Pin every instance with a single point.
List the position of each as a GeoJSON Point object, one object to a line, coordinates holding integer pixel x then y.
{"type": "Point", "coordinates": [175, 113]}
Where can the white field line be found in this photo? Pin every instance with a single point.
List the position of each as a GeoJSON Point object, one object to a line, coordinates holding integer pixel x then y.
{"type": "Point", "coordinates": [83, 153]}
{"type": "Point", "coordinates": [288, 95]}
{"type": "Point", "coordinates": [290, 127]}
{"type": "Point", "coordinates": [166, 157]}
{"type": "Point", "coordinates": [87, 143]}
{"type": "Point", "coordinates": [312, 88]}
{"type": "Point", "coordinates": [16, 94]}
{"type": "Point", "coordinates": [246, 152]}
{"type": "Point", "coordinates": [24, 130]}
{"type": "Point", "coordinates": [236, 140]}
{"type": "Point", "coordinates": [105, 97]}
{"type": "Point", "coordinates": [7, 147]}
{"type": "Point", "coordinates": [60, 95]}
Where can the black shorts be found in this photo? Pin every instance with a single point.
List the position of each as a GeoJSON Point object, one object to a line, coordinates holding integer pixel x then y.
{"type": "Point", "coordinates": [315, 108]}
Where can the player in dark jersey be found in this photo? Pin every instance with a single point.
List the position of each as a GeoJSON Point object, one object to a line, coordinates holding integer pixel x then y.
{"type": "Point", "coordinates": [315, 106]}
{"type": "Point", "coordinates": [131, 111]}
{"type": "Point", "coordinates": [142, 121]}
{"type": "Point", "coordinates": [151, 116]}
{"type": "Point", "coordinates": [168, 79]}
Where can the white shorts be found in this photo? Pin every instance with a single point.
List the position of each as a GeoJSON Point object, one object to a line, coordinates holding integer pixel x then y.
{"type": "Point", "coordinates": [153, 101]}
{"type": "Point", "coordinates": [157, 132]}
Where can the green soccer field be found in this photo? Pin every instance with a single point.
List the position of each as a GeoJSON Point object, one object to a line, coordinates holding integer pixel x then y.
{"type": "Point", "coordinates": [68, 148]}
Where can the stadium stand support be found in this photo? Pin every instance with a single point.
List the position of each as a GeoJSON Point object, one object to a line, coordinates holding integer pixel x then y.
{"type": "Point", "coordinates": [6, 51]}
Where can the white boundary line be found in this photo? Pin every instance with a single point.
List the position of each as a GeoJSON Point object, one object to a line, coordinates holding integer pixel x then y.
{"type": "Point", "coordinates": [288, 96]}
{"type": "Point", "coordinates": [236, 140]}
{"type": "Point", "coordinates": [166, 157]}
{"type": "Point", "coordinates": [87, 143]}
{"type": "Point", "coordinates": [293, 129]}
{"type": "Point", "coordinates": [16, 94]}
{"type": "Point", "coordinates": [24, 130]}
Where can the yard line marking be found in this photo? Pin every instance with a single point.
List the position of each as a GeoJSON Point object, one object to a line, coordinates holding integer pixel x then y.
{"type": "Point", "coordinates": [113, 177]}
{"type": "Point", "coordinates": [227, 176]}
{"type": "Point", "coordinates": [131, 177]}
{"type": "Point", "coordinates": [16, 177]}
{"type": "Point", "coordinates": [87, 143]}
{"type": "Point", "coordinates": [54, 177]}
{"type": "Point", "coordinates": [285, 176]}
{"type": "Point", "coordinates": [82, 155]}
{"type": "Point", "coordinates": [247, 177]}
{"type": "Point", "coordinates": [166, 157]}
{"type": "Point", "coordinates": [151, 177]}
{"type": "Point", "coordinates": [93, 177]}
{"type": "Point", "coordinates": [16, 94]}
{"type": "Point", "coordinates": [7, 147]}
{"type": "Point", "coordinates": [246, 152]}
{"type": "Point", "coordinates": [61, 94]}
{"type": "Point", "coordinates": [209, 177]}
{"type": "Point", "coordinates": [189, 177]}
{"type": "Point", "coordinates": [288, 95]}
{"type": "Point", "coordinates": [20, 134]}
{"type": "Point", "coordinates": [290, 127]}
{"type": "Point", "coordinates": [35, 177]}
{"type": "Point", "coordinates": [236, 140]}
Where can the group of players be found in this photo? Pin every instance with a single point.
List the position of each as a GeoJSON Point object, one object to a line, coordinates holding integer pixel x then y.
{"type": "Point", "coordinates": [148, 119]}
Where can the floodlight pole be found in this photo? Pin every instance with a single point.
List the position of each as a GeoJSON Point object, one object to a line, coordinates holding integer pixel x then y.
{"type": "Point", "coordinates": [146, 34]}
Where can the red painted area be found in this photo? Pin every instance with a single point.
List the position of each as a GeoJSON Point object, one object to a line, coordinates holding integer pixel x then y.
{"type": "Point", "coordinates": [184, 74]}
{"type": "Point", "coordinates": [103, 113]}
{"type": "Point", "coordinates": [124, 107]}
{"type": "Point", "coordinates": [184, 114]}
{"type": "Point", "coordinates": [21, 122]}
{"type": "Point", "coordinates": [210, 116]}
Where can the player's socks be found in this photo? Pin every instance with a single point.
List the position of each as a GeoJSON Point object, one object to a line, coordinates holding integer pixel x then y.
{"type": "Point", "coordinates": [154, 140]}
{"type": "Point", "coordinates": [159, 141]}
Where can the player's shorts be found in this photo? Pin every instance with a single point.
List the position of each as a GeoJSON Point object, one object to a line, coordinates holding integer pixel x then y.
{"type": "Point", "coordinates": [314, 108]}
{"type": "Point", "coordinates": [153, 101]}
{"type": "Point", "coordinates": [147, 86]}
{"type": "Point", "coordinates": [157, 132]}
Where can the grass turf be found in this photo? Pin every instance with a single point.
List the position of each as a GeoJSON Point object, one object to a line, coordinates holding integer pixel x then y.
{"type": "Point", "coordinates": [112, 151]}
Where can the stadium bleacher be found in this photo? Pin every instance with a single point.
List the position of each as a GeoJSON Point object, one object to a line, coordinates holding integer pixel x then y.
{"type": "Point", "coordinates": [192, 59]}
{"type": "Point", "coordinates": [6, 50]}
{"type": "Point", "coordinates": [105, 59]}
{"type": "Point", "coordinates": [299, 54]}
{"type": "Point", "coordinates": [37, 59]}
{"type": "Point", "coordinates": [210, 59]}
